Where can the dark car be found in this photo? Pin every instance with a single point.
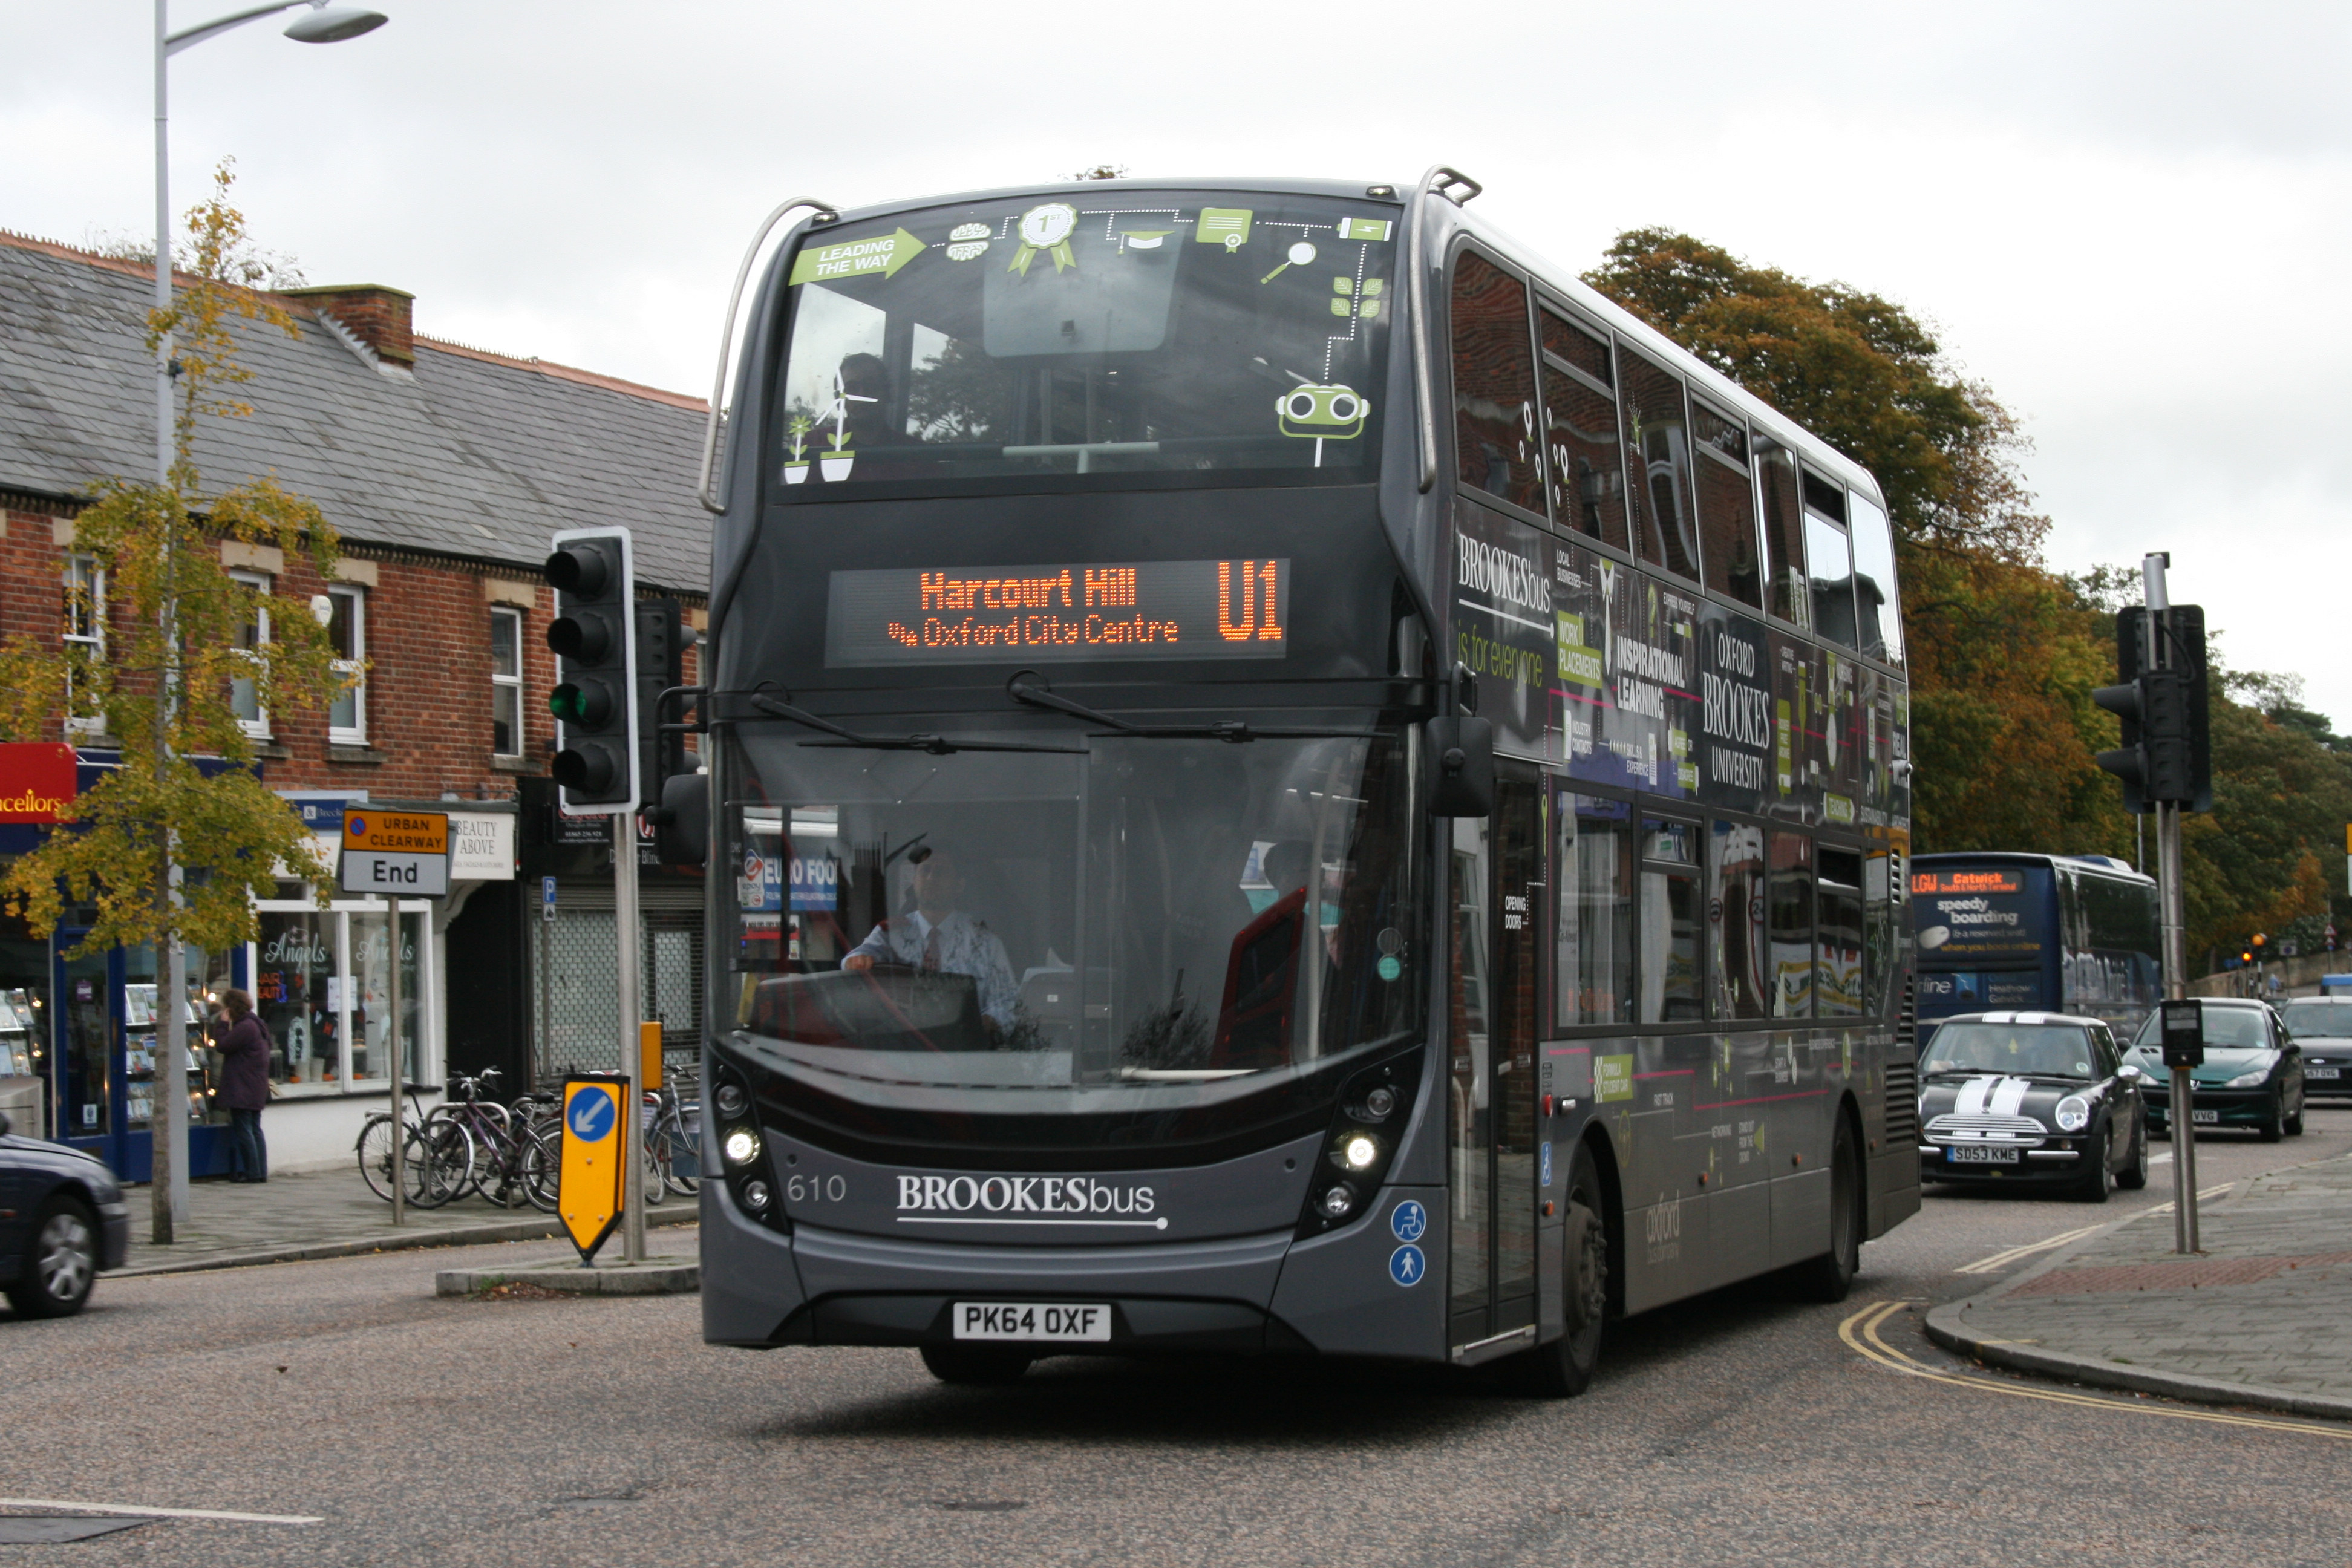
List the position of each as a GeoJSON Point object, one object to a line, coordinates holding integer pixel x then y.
{"type": "Point", "coordinates": [2031, 1100]}
{"type": "Point", "coordinates": [62, 1219]}
{"type": "Point", "coordinates": [2322, 1028]}
{"type": "Point", "coordinates": [2252, 1075]}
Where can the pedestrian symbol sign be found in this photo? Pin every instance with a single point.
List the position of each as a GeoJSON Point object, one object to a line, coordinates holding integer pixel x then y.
{"type": "Point", "coordinates": [588, 1180]}
{"type": "Point", "coordinates": [1406, 1266]}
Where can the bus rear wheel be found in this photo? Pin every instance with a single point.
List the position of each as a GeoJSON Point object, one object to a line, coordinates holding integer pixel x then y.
{"type": "Point", "coordinates": [979, 1364]}
{"type": "Point", "coordinates": [1564, 1368]}
{"type": "Point", "coordinates": [1830, 1276]}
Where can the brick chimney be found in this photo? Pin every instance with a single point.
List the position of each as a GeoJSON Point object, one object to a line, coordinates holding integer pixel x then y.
{"type": "Point", "coordinates": [377, 316]}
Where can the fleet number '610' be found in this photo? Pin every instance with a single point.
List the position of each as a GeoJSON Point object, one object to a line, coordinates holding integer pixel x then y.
{"type": "Point", "coordinates": [815, 1189]}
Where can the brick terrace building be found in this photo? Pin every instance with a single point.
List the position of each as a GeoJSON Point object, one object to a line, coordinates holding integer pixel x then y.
{"type": "Point", "coordinates": [445, 469]}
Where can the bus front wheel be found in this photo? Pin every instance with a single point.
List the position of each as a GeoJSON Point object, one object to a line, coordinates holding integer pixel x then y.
{"type": "Point", "coordinates": [1564, 1368]}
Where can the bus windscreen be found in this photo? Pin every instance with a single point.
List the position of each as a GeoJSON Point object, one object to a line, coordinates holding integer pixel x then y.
{"type": "Point", "coordinates": [1084, 340]}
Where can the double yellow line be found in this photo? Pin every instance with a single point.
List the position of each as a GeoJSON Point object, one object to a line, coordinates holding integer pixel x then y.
{"type": "Point", "coordinates": [1860, 1333]}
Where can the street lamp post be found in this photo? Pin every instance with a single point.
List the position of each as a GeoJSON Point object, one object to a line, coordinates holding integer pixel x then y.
{"type": "Point", "coordinates": [168, 1112]}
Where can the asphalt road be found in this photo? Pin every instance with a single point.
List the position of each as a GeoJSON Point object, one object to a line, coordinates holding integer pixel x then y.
{"type": "Point", "coordinates": [1739, 1428]}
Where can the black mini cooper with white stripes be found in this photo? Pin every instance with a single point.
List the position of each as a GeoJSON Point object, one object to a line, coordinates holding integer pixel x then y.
{"type": "Point", "coordinates": [2031, 1100]}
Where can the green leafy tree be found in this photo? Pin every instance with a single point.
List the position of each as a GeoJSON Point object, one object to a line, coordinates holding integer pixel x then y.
{"type": "Point", "coordinates": [179, 655]}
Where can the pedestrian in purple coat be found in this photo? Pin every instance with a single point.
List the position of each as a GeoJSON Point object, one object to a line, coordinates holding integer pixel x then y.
{"type": "Point", "coordinates": [242, 1041]}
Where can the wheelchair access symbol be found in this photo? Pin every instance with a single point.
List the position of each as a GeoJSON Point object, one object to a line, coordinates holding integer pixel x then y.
{"type": "Point", "coordinates": [1406, 1266]}
{"type": "Point", "coordinates": [1408, 1221]}
{"type": "Point", "coordinates": [588, 1179]}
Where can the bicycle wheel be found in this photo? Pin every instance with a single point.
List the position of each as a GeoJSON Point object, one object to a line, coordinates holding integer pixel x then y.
{"type": "Point", "coordinates": [441, 1163]}
{"type": "Point", "coordinates": [654, 1190]}
{"type": "Point", "coordinates": [682, 1165]}
{"type": "Point", "coordinates": [478, 1152]}
{"type": "Point", "coordinates": [502, 1183]}
{"type": "Point", "coordinates": [542, 1157]}
{"type": "Point", "coordinates": [375, 1155]}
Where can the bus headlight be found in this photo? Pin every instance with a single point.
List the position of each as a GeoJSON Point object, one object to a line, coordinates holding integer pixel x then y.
{"type": "Point", "coordinates": [732, 1100]}
{"type": "Point", "coordinates": [743, 1146]}
{"type": "Point", "coordinates": [1366, 1125]}
{"type": "Point", "coordinates": [2073, 1114]}
{"type": "Point", "coordinates": [755, 1196]}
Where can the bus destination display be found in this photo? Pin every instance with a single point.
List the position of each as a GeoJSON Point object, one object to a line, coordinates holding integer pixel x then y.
{"type": "Point", "coordinates": [1130, 609]}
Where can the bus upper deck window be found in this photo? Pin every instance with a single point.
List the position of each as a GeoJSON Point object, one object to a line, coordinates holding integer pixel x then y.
{"type": "Point", "coordinates": [1727, 507]}
{"type": "Point", "coordinates": [1494, 436]}
{"type": "Point", "coordinates": [1784, 539]}
{"type": "Point", "coordinates": [1657, 453]}
{"type": "Point", "coordinates": [1829, 560]}
{"type": "Point", "coordinates": [1587, 473]}
{"type": "Point", "coordinates": [1876, 607]}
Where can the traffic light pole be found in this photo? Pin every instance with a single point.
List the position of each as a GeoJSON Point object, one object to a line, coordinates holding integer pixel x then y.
{"type": "Point", "coordinates": [624, 925]}
{"type": "Point", "coordinates": [2157, 653]}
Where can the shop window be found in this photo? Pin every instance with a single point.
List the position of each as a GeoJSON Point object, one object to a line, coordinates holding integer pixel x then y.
{"type": "Point", "coordinates": [322, 982]}
{"type": "Point", "coordinates": [506, 682]}
{"type": "Point", "coordinates": [1496, 449]}
{"type": "Point", "coordinates": [1657, 454]}
{"type": "Point", "coordinates": [1593, 928]}
{"type": "Point", "coordinates": [1671, 922]}
{"type": "Point", "coordinates": [1726, 506]}
{"type": "Point", "coordinates": [1741, 957]}
{"type": "Point", "coordinates": [347, 635]}
{"type": "Point", "coordinates": [1878, 615]}
{"type": "Point", "coordinates": [1838, 962]}
{"type": "Point", "coordinates": [84, 634]}
{"type": "Point", "coordinates": [245, 690]}
{"type": "Point", "coordinates": [1580, 454]}
{"type": "Point", "coordinates": [1790, 913]}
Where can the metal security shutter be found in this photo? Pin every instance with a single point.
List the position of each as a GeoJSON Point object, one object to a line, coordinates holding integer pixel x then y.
{"type": "Point", "coordinates": [576, 998]}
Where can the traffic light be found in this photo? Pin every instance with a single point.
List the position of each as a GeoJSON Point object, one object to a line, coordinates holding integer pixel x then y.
{"type": "Point", "coordinates": [2166, 757]}
{"type": "Point", "coordinates": [595, 637]}
{"type": "Point", "coordinates": [660, 665]}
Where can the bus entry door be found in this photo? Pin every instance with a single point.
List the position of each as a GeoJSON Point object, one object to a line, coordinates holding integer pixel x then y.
{"type": "Point", "coordinates": [1496, 901]}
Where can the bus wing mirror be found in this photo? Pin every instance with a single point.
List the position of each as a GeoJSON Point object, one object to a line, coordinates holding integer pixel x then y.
{"type": "Point", "coordinates": [1461, 758]}
{"type": "Point", "coordinates": [682, 826]}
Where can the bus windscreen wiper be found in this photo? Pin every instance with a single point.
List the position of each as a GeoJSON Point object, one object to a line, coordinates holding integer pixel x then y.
{"type": "Point", "coordinates": [1029, 689]}
{"type": "Point", "coordinates": [936, 745]}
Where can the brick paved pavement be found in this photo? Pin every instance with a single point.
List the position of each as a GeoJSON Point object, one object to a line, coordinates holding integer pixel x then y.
{"type": "Point", "coordinates": [2256, 1320]}
{"type": "Point", "coordinates": [328, 1214]}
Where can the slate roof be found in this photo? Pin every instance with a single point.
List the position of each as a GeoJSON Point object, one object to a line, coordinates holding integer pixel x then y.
{"type": "Point", "coordinates": [475, 455]}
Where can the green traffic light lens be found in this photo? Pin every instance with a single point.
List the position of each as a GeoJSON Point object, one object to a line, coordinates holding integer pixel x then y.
{"type": "Point", "coordinates": [566, 703]}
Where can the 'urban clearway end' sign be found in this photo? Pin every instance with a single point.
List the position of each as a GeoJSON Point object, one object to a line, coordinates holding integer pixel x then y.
{"type": "Point", "coordinates": [402, 853]}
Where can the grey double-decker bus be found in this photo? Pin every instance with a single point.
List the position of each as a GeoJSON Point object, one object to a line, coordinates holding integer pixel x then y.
{"type": "Point", "coordinates": [1282, 777]}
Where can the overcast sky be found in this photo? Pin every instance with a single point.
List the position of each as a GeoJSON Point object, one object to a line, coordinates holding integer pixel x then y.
{"type": "Point", "coordinates": [2130, 219]}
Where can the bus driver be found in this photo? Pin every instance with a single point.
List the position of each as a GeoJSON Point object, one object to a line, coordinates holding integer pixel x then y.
{"type": "Point", "coordinates": [939, 939]}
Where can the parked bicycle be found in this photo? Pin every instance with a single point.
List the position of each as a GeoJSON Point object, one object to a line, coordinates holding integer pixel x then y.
{"type": "Point", "coordinates": [426, 1176]}
{"type": "Point", "coordinates": [508, 1155]}
{"type": "Point", "coordinates": [671, 1141]}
